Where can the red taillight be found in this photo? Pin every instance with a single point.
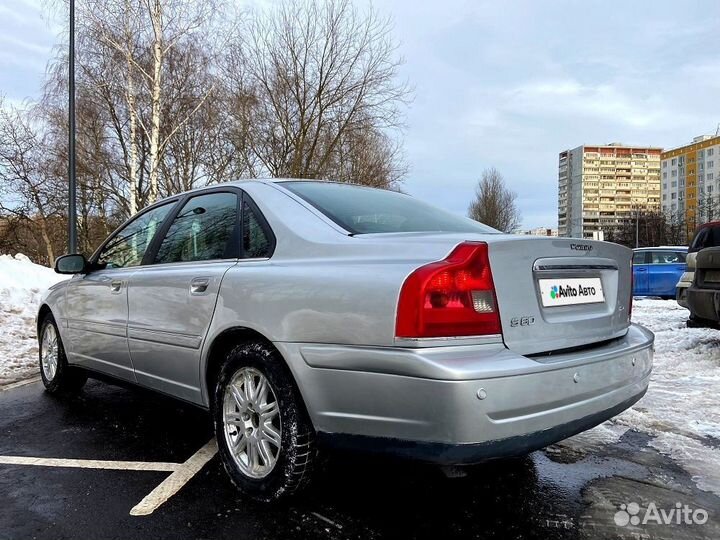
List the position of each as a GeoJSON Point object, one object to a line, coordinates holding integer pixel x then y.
{"type": "Point", "coordinates": [453, 297]}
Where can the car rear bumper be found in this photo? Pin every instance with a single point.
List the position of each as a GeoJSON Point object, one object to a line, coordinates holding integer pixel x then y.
{"type": "Point", "coordinates": [464, 404]}
{"type": "Point", "coordinates": [682, 287]}
{"type": "Point", "coordinates": [704, 303]}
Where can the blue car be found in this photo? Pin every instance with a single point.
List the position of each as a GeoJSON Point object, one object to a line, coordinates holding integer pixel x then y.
{"type": "Point", "coordinates": [656, 270]}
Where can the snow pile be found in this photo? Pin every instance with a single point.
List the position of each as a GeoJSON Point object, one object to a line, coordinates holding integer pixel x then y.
{"type": "Point", "coordinates": [21, 285]}
{"type": "Point", "coordinates": [682, 407]}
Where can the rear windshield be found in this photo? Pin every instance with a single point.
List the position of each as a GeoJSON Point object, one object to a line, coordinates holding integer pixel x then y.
{"type": "Point", "coordinates": [705, 238]}
{"type": "Point", "coordinates": [363, 210]}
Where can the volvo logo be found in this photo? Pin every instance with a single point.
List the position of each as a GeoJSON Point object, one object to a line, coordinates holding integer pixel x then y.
{"type": "Point", "coordinates": [581, 247]}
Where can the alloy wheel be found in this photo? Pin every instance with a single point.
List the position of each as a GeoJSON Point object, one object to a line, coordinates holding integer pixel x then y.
{"type": "Point", "coordinates": [49, 352]}
{"type": "Point", "coordinates": [251, 417]}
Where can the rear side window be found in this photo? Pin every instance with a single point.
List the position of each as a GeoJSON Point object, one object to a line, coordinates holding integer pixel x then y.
{"type": "Point", "coordinates": [256, 240]}
{"type": "Point", "coordinates": [668, 257]}
{"type": "Point", "coordinates": [363, 210]}
{"type": "Point", "coordinates": [205, 229]}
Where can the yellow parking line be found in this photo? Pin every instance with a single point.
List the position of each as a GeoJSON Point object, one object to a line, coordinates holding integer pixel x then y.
{"type": "Point", "coordinates": [173, 483]}
{"type": "Point", "coordinates": [90, 464]}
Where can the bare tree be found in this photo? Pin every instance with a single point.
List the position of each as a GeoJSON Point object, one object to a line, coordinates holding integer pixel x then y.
{"type": "Point", "coordinates": [171, 96]}
{"type": "Point", "coordinates": [314, 78]}
{"type": "Point", "coordinates": [650, 228]}
{"type": "Point", "coordinates": [25, 181]}
{"type": "Point", "coordinates": [494, 203]}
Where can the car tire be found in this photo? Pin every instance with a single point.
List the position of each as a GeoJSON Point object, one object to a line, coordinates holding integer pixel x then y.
{"type": "Point", "coordinates": [57, 375]}
{"type": "Point", "coordinates": [265, 438]}
{"type": "Point", "coordinates": [697, 322]}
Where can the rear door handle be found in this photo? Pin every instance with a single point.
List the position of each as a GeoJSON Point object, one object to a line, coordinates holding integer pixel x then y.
{"type": "Point", "coordinates": [199, 285]}
{"type": "Point", "coordinates": [642, 269]}
{"type": "Point", "coordinates": [115, 286]}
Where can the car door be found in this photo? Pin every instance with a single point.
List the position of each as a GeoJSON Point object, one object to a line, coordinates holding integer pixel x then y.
{"type": "Point", "coordinates": [640, 273]}
{"type": "Point", "coordinates": [97, 302]}
{"type": "Point", "coordinates": [666, 267]}
{"type": "Point", "coordinates": [171, 302]}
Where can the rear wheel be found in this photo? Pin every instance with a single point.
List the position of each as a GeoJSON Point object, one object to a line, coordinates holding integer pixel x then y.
{"type": "Point", "coordinates": [265, 438]}
{"type": "Point", "coordinates": [57, 375]}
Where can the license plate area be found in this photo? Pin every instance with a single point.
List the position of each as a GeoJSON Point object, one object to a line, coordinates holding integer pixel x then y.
{"type": "Point", "coordinates": [562, 291]}
{"type": "Point", "coordinates": [712, 276]}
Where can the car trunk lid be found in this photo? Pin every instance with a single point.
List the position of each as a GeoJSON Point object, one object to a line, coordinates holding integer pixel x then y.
{"type": "Point", "coordinates": [557, 294]}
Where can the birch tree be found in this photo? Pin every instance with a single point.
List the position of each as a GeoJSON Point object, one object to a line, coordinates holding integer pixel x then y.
{"type": "Point", "coordinates": [146, 33]}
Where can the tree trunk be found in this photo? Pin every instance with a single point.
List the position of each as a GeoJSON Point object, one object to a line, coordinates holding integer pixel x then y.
{"type": "Point", "coordinates": [157, 53]}
{"type": "Point", "coordinates": [133, 206]}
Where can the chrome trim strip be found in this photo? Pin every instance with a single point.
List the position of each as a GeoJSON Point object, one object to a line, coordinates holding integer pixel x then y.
{"type": "Point", "coordinates": [448, 341]}
{"type": "Point", "coordinates": [108, 329]}
{"type": "Point", "coordinates": [166, 338]}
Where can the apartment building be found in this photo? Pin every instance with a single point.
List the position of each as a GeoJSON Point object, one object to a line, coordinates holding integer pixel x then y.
{"type": "Point", "coordinates": [602, 187]}
{"type": "Point", "coordinates": [538, 231]}
{"type": "Point", "coordinates": [691, 182]}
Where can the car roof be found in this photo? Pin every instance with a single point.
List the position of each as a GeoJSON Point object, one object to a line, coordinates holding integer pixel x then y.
{"type": "Point", "coordinates": [708, 225]}
{"type": "Point", "coordinates": [678, 248]}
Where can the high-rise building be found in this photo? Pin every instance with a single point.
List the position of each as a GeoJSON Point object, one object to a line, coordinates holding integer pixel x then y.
{"type": "Point", "coordinates": [691, 182]}
{"type": "Point", "coordinates": [602, 187]}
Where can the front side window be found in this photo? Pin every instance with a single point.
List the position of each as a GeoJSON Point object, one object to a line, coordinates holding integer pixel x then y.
{"type": "Point", "coordinates": [204, 230]}
{"type": "Point", "coordinates": [364, 210]}
{"type": "Point", "coordinates": [128, 246]}
{"type": "Point", "coordinates": [640, 257]}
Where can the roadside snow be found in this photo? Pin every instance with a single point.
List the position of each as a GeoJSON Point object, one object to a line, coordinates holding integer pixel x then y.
{"type": "Point", "coordinates": [21, 285]}
{"type": "Point", "coordinates": [682, 407]}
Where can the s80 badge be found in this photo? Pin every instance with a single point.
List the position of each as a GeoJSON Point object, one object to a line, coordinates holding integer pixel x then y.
{"type": "Point", "coordinates": [522, 321]}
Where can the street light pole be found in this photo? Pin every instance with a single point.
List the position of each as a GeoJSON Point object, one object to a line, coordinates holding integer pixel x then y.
{"type": "Point", "coordinates": [72, 211]}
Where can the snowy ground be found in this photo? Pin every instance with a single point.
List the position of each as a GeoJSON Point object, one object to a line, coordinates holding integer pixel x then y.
{"type": "Point", "coordinates": [681, 410]}
{"type": "Point", "coordinates": [682, 407]}
{"type": "Point", "coordinates": [21, 286]}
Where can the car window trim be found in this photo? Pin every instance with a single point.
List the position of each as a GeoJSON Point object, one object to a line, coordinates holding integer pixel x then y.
{"type": "Point", "coordinates": [154, 247]}
{"type": "Point", "coordinates": [269, 234]}
{"type": "Point", "coordinates": [96, 254]}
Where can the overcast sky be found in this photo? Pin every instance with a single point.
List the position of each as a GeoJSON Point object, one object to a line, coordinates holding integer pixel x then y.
{"type": "Point", "coordinates": [506, 84]}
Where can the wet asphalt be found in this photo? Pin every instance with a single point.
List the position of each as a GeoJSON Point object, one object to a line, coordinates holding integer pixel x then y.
{"type": "Point", "coordinates": [561, 492]}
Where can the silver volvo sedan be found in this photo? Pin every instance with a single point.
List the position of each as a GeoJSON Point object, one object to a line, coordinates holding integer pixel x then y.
{"type": "Point", "coordinates": [303, 313]}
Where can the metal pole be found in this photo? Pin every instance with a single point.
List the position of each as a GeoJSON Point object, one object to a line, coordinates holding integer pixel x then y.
{"type": "Point", "coordinates": [72, 211]}
{"type": "Point", "coordinates": [637, 227]}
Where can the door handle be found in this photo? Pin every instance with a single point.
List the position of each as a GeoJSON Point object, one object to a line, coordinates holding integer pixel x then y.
{"type": "Point", "coordinates": [115, 286]}
{"type": "Point", "coordinates": [199, 285]}
{"type": "Point", "coordinates": [642, 269]}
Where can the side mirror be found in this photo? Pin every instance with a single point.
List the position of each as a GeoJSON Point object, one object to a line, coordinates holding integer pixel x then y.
{"type": "Point", "coordinates": [71, 264]}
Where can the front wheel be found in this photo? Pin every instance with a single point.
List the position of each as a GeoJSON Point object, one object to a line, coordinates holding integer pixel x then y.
{"type": "Point", "coordinates": [57, 376]}
{"type": "Point", "coordinates": [265, 438]}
